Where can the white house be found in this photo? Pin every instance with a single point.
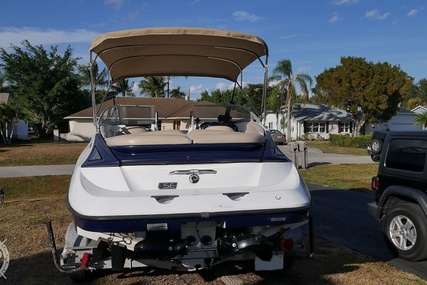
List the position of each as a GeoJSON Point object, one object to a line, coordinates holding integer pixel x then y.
{"type": "Point", "coordinates": [313, 121]}
{"type": "Point", "coordinates": [419, 109]}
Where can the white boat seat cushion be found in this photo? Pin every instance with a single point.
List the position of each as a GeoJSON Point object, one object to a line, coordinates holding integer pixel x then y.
{"type": "Point", "coordinates": [219, 136]}
{"type": "Point", "coordinates": [149, 138]}
{"type": "Point", "coordinates": [254, 128]}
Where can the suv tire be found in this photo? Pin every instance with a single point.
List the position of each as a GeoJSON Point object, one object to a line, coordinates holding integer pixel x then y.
{"type": "Point", "coordinates": [376, 146]}
{"type": "Point", "coordinates": [405, 231]}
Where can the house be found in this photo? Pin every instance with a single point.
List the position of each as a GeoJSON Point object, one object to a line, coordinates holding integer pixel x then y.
{"type": "Point", "coordinates": [403, 120]}
{"type": "Point", "coordinates": [419, 109]}
{"type": "Point", "coordinates": [313, 121]}
{"type": "Point", "coordinates": [20, 130]}
{"type": "Point", "coordinates": [173, 114]}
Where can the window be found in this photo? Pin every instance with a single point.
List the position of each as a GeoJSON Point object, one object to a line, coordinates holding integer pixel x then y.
{"type": "Point", "coordinates": [315, 127]}
{"type": "Point", "coordinates": [345, 127]}
{"type": "Point", "coordinates": [407, 154]}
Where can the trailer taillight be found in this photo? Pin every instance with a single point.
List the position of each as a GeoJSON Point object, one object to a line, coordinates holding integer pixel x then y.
{"type": "Point", "coordinates": [287, 244]}
{"type": "Point", "coordinates": [85, 259]}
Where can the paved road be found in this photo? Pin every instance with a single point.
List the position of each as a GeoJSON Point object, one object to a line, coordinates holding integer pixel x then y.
{"type": "Point", "coordinates": [341, 216]}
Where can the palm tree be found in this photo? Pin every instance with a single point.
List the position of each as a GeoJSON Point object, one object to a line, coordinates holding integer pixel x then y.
{"type": "Point", "coordinates": [153, 86]}
{"type": "Point", "coordinates": [100, 77]}
{"type": "Point", "coordinates": [123, 87]}
{"type": "Point", "coordinates": [286, 87]}
{"type": "Point", "coordinates": [421, 120]}
{"type": "Point", "coordinates": [177, 93]}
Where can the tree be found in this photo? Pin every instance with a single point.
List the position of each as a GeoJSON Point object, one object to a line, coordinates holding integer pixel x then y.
{"type": "Point", "coordinates": [286, 88]}
{"type": "Point", "coordinates": [366, 90]}
{"type": "Point", "coordinates": [153, 86]}
{"type": "Point", "coordinates": [3, 87]}
{"type": "Point", "coordinates": [100, 78]}
{"type": "Point", "coordinates": [421, 119]}
{"type": "Point", "coordinates": [177, 93]}
{"type": "Point", "coordinates": [43, 83]}
{"type": "Point", "coordinates": [254, 92]}
{"type": "Point", "coordinates": [416, 95]}
{"type": "Point", "coordinates": [122, 87]}
{"type": "Point", "coordinates": [8, 119]}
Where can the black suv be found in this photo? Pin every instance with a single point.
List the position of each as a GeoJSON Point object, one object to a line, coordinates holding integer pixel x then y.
{"type": "Point", "coordinates": [400, 193]}
{"type": "Point", "coordinates": [376, 144]}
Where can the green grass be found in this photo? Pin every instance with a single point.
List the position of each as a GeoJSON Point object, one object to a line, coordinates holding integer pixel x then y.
{"type": "Point", "coordinates": [327, 148]}
{"type": "Point", "coordinates": [35, 187]}
{"type": "Point", "coordinates": [342, 176]}
{"type": "Point", "coordinates": [40, 152]}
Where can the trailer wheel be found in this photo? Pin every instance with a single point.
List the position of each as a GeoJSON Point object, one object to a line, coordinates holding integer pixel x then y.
{"type": "Point", "coordinates": [80, 276]}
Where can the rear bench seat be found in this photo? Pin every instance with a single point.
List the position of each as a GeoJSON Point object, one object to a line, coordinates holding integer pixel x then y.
{"type": "Point", "coordinates": [150, 138]}
{"type": "Point", "coordinates": [212, 135]}
{"type": "Point", "coordinates": [223, 136]}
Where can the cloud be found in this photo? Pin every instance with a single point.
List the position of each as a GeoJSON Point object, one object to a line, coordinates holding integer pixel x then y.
{"type": "Point", "coordinates": [344, 2]}
{"type": "Point", "coordinates": [412, 13]}
{"type": "Point", "coordinates": [335, 18]}
{"type": "Point", "coordinates": [245, 16]}
{"type": "Point", "coordinates": [116, 4]}
{"type": "Point", "coordinates": [375, 14]}
{"type": "Point", "coordinates": [288, 37]}
{"type": "Point", "coordinates": [35, 36]}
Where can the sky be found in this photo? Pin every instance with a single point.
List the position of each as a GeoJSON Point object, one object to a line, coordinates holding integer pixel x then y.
{"type": "Point", "coordinates": [313, 34]}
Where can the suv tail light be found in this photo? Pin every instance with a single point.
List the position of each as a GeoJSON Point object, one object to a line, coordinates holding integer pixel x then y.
{"type": "Point", "coordinates": [375, 184]}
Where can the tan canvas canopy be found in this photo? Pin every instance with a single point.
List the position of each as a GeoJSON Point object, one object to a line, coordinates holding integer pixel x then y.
{"type": "Point", "coordinates": [178, 52]}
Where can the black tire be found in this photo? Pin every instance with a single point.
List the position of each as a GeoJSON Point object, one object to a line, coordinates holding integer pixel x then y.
{"type": "Point", "coordinates": [80, 276]}
{"type": "Point", "coordinates": [405, 231]}
{"type": "Point", "coordinates": [376, 146]}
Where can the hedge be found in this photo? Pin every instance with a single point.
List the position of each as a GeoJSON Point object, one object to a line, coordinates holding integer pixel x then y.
{"type": "Point", "coordinates": [347, 141]}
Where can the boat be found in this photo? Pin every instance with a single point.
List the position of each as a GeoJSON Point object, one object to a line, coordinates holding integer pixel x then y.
{"type": "Point", "coordinates": [219, 191]}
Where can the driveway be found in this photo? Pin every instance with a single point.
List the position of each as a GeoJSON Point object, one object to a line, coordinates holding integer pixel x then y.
{"type": "Point", "coordinates": [341, 216]}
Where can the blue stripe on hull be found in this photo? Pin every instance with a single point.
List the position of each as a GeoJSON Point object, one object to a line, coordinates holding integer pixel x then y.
{"type": "Point", "coordinates": [135, 224]}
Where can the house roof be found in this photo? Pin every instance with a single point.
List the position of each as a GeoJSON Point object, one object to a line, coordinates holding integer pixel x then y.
{"type": "Point", "coordinates": [177, 51]}
{"type": "Point", "coordinates": [4, 97]}
{"type": "Point", "coordinates": [166, 107]}
{"type": "Point", "coordinates": [319, 113]}
{"type": "Point", "coordinates": [419, 109]}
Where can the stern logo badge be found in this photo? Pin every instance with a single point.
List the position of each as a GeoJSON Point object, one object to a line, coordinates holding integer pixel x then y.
{"type": "Point", "coordinates": [194, 178]}
{"type": "Point", "coordinates": [4, 259]}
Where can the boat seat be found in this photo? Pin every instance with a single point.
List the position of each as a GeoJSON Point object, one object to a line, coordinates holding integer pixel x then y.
{"type": "Point", "coordinates": [254, 128]}
{"type": "Point", "coordinates": [207, 136]}
{"type": "Point", "coordinates": [132, 130]}
{"type": "Point", "coordinates": [150, 138]}
{"type": "Point", "coordinates": [220, 128]}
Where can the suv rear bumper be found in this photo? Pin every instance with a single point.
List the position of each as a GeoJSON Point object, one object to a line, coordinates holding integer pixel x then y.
{"type": "Point", "coordinates": [374, 210]}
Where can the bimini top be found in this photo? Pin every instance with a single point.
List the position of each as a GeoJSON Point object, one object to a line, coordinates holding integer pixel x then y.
{"type": "Point", "coordinates": [178, 52]}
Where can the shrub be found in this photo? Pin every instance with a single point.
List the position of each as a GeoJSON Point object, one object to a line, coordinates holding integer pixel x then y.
{"type": "Point", "coordinates": [347, 141]}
